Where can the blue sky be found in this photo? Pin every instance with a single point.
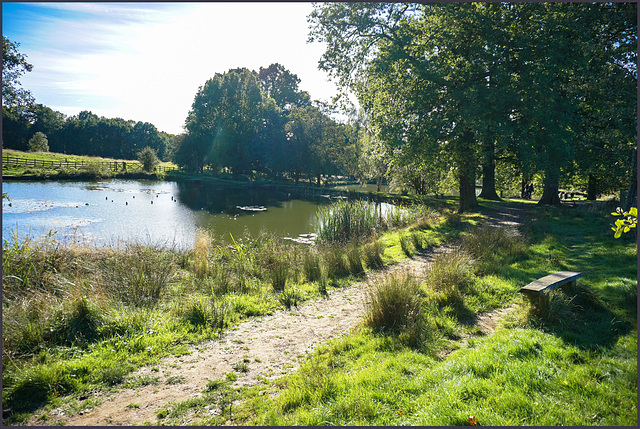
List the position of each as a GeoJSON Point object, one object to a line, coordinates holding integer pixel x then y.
{"type": "Point", "coordinates": [145, 61]}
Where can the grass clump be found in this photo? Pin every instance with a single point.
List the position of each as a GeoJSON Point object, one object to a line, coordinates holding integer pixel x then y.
{"type": "Point", "coordinates": [138, 274]}
{"type": "Point", "coordinates": [405, 244]}
{"type": "Point", "coordinates": [450, 274]}
{"type": "Point", "coordinates": [354, 260]}
{"type": "Point", "coordinates": [373, 255]}
{"type": "Point", "coordinates": [395, 306]}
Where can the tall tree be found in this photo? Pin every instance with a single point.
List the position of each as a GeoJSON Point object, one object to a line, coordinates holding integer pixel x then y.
{"type": "Point", "coordinates": [225, 117]}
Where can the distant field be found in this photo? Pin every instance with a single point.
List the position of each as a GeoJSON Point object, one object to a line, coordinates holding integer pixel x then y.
{"type": "Point", "coordinates": [17, 163]}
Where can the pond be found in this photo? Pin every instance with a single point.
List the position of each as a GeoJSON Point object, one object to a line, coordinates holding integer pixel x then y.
{"type": "Point", "coordinates": [159, 212]}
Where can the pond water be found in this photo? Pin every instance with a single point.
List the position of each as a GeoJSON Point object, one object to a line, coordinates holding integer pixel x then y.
{"type": "Point", "coordinates": [106, 212]}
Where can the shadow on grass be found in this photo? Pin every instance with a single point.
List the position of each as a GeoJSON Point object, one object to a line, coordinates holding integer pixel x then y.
{"type": "Point", "coordinates": [582, 319]}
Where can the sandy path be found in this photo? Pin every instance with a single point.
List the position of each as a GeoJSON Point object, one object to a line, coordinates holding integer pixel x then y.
{"type": "Point", "coordinates": [271, 344]}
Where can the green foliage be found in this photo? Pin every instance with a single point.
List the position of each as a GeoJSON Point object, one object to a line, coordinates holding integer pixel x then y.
{"type": "Point", "coordinates": [38, 143]}
{"type": "Point", "coordinates": [629, 221]}
{"type": "Point", "coordinates": [14, 64]}
{"type": "Point", "coordinates": [148, 158]}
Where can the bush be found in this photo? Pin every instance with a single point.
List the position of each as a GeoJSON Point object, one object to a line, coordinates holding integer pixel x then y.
{"type": "Point", "coordinates": [38, 143]}
{"type": "Point", "coordinates": [148, 157]}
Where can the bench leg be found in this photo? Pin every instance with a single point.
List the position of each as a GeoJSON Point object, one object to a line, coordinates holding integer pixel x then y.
{"type": "Point", "coordinates": [568, 287]}
{"type": "Point", "coordinates": [539, 302]}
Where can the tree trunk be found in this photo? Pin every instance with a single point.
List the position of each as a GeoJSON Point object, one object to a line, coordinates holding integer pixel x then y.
{"type": "Point", "coordinates": [468, 199]}
{"type": "Point", "coordinates": [592, 188]}
{"type": "Point", "coordinates": [489, 180]}
{"type": "Point", "coordinates": [631, 199]}
{"type": "Point", "coordinates": [378, 183]}
{"type": "Point", "coordinates": [550, 192]}
{"type": "Point", "coordinates": [466, 172]}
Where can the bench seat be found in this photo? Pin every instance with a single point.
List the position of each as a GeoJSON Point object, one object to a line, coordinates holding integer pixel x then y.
{"type": "Point", "coordinates": [550, 282]}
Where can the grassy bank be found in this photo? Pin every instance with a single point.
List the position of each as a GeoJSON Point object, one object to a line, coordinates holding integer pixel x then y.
{"type": "Point", "coordinates": [572, 364]}
{"type": "Point", "coordinates": [73, 315]}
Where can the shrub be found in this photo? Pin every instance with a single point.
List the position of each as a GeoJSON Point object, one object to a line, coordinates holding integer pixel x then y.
{"type": "Point", "coordinates": [38, 143]}
{"type": "Point", "coordinates": [148, 157]}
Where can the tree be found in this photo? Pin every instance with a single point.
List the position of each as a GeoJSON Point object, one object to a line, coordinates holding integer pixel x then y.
{"type": "Point", "coordinates": [420, 71]}
{"type": "Point", "coordinates": [14, 65]}
{"type": "Point", "coordinates": [148, 158]}
{"type": "Point", "coordinates": [38, 143]}
{"type": "Point", "coordinates": [282, 85]}
{"type": "Point", "coordinates": [223, 122]}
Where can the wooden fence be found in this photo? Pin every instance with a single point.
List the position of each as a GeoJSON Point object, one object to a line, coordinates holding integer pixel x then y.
{"type": "Point", "coordinates": [129, 166]}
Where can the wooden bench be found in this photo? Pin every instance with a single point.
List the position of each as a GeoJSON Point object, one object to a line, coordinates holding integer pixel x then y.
{"type": "Point", "coordinates": [536, 290]}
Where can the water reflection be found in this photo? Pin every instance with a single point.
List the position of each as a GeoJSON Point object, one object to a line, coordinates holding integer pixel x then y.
{"type": "Point", "coordinates": [151, 211]}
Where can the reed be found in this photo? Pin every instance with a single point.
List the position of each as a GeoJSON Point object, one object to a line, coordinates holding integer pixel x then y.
{"type": "Point", "coordinates": [345, 221]}
{"type": "Point", "coordinates": [354, 259]}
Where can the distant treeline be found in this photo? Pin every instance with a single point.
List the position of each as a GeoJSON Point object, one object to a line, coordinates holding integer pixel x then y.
{"type": "Point", "coordinates": [82, 134]}
{"type": "Point", "coordinates": [241, 122]}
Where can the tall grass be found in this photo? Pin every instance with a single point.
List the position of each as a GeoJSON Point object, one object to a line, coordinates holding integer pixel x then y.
{"type": "Point", "coordinates": [359, 220]}
{"type": "Point", "coordinates": [395, 306]}
{"type": "Point", "coordinates": [345, 221]}
{"type": "Point", "coordinates": [138, 274]}
{"type": "Point", "coordinates": [450, 274]}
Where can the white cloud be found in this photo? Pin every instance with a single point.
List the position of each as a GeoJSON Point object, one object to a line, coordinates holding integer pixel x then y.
{"type": "Point", "coordinates": [145, 61]}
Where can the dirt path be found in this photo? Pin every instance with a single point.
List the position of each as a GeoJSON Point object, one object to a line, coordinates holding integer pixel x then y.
{"type": "Point", "coordinates": [270, 347]}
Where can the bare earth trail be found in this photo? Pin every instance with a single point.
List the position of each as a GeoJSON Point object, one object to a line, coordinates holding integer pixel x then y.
{"type": "Point", "coordinates": [270, 346]}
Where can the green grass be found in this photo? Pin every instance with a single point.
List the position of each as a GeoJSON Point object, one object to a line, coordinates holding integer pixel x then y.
{"type": "Point", "coordinates": [92, 166]}
{"type": "Point", "coordinates": [576, 365]}
{"type": "Point", "coordinates": [67, 329]}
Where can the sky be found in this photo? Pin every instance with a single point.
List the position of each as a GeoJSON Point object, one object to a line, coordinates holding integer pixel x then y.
{"type": "Point", "coordinates": [145, 61]}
